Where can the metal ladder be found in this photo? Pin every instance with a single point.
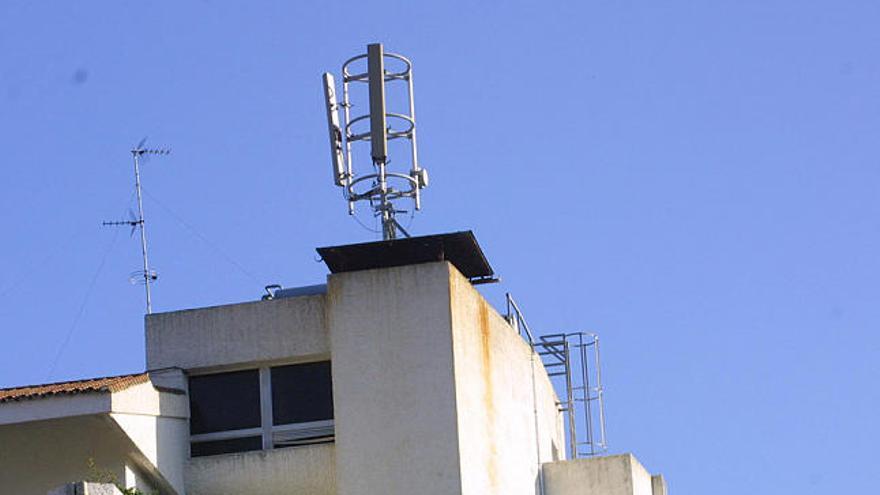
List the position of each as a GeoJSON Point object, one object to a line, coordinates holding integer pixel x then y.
{"type": "Point", "coordinates": [573, 364]}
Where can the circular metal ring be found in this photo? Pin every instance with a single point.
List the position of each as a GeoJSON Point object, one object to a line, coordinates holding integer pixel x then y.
{"type": "Point", "coordinates": [363, 136]}
{"type": "Point", "coordinates": [389, 76]}
{"type": "Point", "coordinates": [355, 196]}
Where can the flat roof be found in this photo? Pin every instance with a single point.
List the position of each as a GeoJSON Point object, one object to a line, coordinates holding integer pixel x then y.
{"type": "Point", "coordinates": [459, 248]}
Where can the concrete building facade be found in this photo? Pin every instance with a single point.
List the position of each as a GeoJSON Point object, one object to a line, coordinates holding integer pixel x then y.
{"type": "Point", "coordinates": [391, 380]}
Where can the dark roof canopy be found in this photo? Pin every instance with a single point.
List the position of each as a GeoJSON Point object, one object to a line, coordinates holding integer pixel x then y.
{"type": "Point", "coordinates": [459, 248]}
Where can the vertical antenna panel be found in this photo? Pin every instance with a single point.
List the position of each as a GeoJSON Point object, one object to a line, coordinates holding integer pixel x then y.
{"type": "Point", "coordinates": [376, 72]}
{"type": "Point", "coordinates": [334, 129]}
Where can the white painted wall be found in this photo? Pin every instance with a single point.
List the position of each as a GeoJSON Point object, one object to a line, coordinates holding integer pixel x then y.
{"type": "Point", "coordinates": [498, 388]}
{"type": "Point", "coordinates": [608, 475]}
{"type": "Point", "coordinates": [140, 434]}
{"type": "Point", "coordinates": [221, 336]}
{"type": "Point", "coordinates": [39, 456]}
{"type": "Point", "coordinates": [52, 407]}
{"type": "Point", "coordinates": [394, 399]}
{"type": "Point", "coordinates": [308, 470]}
{"type": "Point", "coordinates": [433, 389]}
{"type": "Point", "coordinates": [641, 478]}
{"type": "Point", "coordinates": [158, 423]}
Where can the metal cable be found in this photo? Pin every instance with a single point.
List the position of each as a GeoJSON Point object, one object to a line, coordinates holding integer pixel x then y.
{"type": "Point", "coordinates": [82, 306]}
{"type": "Point", "coordinates": [204, 239]}
{"type": "Point", "coordinates": [30, 267]}
{"type": "Point", "coordinates": [362, 224]}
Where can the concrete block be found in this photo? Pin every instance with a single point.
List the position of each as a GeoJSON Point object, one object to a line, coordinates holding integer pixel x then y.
{"type": "Point", "coordinates": [607, 475]}
{"type": "Point", "coordinates": [658, 484]}
{"type": "Point", "coordinates": [86, 488]}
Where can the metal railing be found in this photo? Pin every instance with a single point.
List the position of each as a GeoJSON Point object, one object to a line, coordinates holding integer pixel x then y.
{"type": "Point", "coordinates": [572, 362]}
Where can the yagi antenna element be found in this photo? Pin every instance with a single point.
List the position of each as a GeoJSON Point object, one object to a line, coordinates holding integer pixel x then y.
{"type": "Point", "coordinates": [145, 276]}
{"type": "Point", "coordinates": [381, 186]}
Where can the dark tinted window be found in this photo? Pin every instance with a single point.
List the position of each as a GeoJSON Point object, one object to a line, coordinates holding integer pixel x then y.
{"type": "Point", "coordinates": [216, 447]}
{"type": "Point", "coordinates": [302, 392]}
{"type": "Point", "coordinates": [225, 401]}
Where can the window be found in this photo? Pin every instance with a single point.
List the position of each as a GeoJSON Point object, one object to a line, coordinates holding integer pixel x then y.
{"type": "Point", "coordinates": [302, 404]}
{"type": "Point", "coordinates": [211, 409]}
{"type": "Point", "coordinates": [216, 447]}
{"type": "Point", "coordinates": [263, 408]}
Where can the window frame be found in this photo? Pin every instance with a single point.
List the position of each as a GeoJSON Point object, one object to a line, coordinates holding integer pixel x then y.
{"type": "Point", "coordinates": [270, 434]}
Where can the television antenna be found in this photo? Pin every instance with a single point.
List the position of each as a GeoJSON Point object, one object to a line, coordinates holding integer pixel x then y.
{"type": "Point", "coordinates": [136, 222]}
{"type": "Point", "coordinates": [383, 186]}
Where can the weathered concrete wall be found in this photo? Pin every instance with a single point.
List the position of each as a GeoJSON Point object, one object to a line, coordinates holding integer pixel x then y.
{"type": "Point", "coordinates": [609, 475]}
{"type": "Point", "coordinates": [498, 388]}
{"type": "Point", "coordinates": [39, 456]}
{"type": "Point", "coordinates": [158, 424]}
{"type": "Point", "coordinates": [306, 470]}
{"type": "Point", "coordinates": [394, 399]}
{"type": "Point", "coordinates": [221, 336]}
{"type": "Point", "coordinates": [433, 390]}
{"type": "Point", "coordinates": [658, 484]}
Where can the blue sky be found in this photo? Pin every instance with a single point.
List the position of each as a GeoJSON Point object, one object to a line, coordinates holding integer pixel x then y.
{"type": "Point", "coordinates": [695, 181]}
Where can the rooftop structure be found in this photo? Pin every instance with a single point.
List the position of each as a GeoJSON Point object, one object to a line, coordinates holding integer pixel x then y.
{"type": "Point", "coordinates": [394, 377]}
{"type": "Point", "coordinates": [399, 378]}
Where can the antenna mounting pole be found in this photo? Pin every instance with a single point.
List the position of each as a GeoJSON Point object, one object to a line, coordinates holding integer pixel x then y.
{"type": "Point", "coordinates": [148, 279]}
{"type": "Point", "coordinates": [145, 276]}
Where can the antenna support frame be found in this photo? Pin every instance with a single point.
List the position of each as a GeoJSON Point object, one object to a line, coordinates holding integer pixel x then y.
{"type": "Point", "coordinates": [381, 192]}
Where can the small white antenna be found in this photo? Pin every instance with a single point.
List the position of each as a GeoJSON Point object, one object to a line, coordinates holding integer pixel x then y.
{"type": "Point", "coordinates": [335, 131]}
{"type": "Point", "coordinates": [145, 276]}
{"type": "Point", "coordinates": [382, 187]}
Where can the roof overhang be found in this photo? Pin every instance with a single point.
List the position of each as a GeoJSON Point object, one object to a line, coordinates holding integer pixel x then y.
{"type": "Point", "coordinates": [459, 248]}
{"type": "Point", "coordinates": [126, 418]}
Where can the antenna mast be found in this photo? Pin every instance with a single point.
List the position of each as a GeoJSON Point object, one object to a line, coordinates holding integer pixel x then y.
{"type": "Point", "coordinates": [382, 187]}
{"type": "Point", "coordinates": [145, 276]}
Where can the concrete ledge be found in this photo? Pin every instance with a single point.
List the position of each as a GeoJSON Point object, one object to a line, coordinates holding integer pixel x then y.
{"type": "Point", "coordinates": [308, 470]}
{"type": "Point", "coordinates": [221, 336]}
{"type": "Point", "coordinates": [610, 475]}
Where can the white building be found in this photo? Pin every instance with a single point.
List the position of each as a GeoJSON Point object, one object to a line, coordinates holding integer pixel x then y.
{"type": "Point", "coordinates": [394, 378]}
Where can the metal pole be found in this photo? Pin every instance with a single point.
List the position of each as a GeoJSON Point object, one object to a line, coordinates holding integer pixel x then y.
{"type": "Point", "coordinates": [413, 146]}
{"type": "Point", "coordinates": [569, 394]}
{"type": "Point", "coordinates": [346, 108]}
{"type": "Point", "coordinates": [137, 184]}
{"type": "Point", "coordinates": [386, 209]}
{"type": "Point", "coordinates": [600, 394]}
{"type": "Point", "coordinates": [588, 400]}
{"type": "Point", "coordinates": [537, 431]}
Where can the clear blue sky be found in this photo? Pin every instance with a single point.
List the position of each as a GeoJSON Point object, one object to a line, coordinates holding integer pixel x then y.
{"type": "Point", "coordinates": [698, 182]}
